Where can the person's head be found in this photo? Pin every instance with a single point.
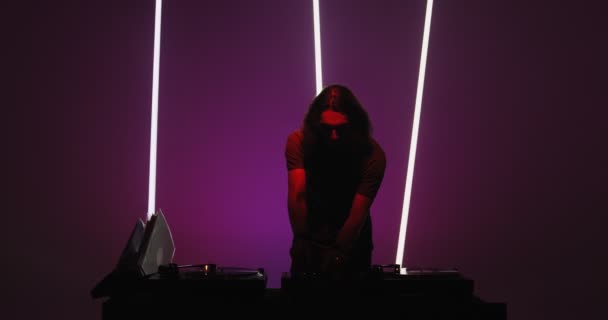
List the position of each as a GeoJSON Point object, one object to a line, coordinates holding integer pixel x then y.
{"type": "Point", "coordinates": [337, 120]}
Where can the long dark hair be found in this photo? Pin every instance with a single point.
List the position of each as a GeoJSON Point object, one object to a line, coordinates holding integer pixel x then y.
{"type": "Point", "coordinates": [340, 99]}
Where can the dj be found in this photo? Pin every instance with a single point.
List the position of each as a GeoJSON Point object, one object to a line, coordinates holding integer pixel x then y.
{"type": "Point", "coordinates": [335, 169]}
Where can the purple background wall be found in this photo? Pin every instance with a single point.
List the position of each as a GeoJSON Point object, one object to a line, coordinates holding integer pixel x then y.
{"type": "Point", "coordinates": [511, 168]}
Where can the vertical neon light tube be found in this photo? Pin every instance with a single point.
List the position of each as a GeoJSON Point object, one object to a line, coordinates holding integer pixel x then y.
{"type": "Point", "coordinates": [317, 30]}
{"type": "Point", "coordinates": [154, 124]}
{"type": "Point", "coordinates": [412, 159]}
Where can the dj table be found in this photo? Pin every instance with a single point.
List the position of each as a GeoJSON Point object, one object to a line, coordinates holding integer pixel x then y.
{"type": "Point", "coordinates": [418, 294]}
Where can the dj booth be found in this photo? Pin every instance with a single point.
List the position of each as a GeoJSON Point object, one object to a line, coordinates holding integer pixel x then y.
{"type": "Point", "coordinates": [196, 294]}
{"type": "Point", "coordinates": [147, 285]}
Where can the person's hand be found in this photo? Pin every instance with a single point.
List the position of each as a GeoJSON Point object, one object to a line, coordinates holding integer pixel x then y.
{"type": "Point", "coordinates": [301, 254]}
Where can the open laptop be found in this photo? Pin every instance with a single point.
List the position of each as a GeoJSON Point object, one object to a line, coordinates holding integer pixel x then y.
{"type": "Point", "coordinates": [157, 246]}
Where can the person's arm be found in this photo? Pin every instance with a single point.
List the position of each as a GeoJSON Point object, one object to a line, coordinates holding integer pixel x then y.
{"type": "Point", "coordinates": [296, 185]}
{"type": "Point", "coordinates": [296, 201]}
{"type": "Point", "coordinates": [354, 223]}
{"type": "Point", "coordinates": [362, 202]}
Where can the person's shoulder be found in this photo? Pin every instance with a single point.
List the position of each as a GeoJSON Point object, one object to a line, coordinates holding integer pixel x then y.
{"type": "Point", "coordinates": [295, 136]}
{"type": "Point", "coordinates": [294, 151]}
{"type": "Point", "coordinates": [294, 139]}
{"type": "Point", "coordinates": [297, 133]}
{"type": "Point", "coordinates": [377, 150]}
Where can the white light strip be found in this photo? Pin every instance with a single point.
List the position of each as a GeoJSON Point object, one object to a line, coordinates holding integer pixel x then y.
{"type": "Point", "coordinates": [154, 124]}
{"type": "Point", "coordinates": [317, 29]}
{"type": "Point", "coordinates": [410, 167]}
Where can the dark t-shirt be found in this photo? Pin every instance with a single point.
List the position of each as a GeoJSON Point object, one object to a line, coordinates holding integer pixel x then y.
{"type": "Point", "coordinates": [330, 192]}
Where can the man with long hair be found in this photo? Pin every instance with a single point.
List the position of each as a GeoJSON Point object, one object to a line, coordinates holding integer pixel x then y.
{"type": "Point", "coordinates": [335, 169]}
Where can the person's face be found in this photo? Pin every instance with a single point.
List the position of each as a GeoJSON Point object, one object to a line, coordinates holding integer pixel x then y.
{"type": "Point", "coordinates": [333, 125]}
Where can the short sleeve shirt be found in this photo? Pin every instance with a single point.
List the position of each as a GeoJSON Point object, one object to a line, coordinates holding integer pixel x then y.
{"type": "Point", "coordinates": [373, 170]}
{"type": "Point", "coordinates": [367, 184]}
